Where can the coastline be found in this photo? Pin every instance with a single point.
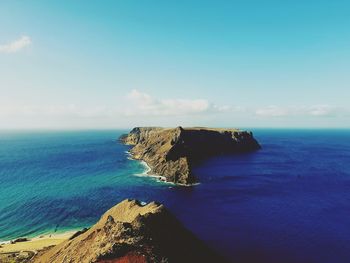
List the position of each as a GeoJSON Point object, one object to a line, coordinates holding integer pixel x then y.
{"type": "Point", "coordinates": [36, 243]}
{"type": "Point", "coordinates": [41, 241]}
{"type": "Point", "coordinates": [148, 170]}
{"type": "Point", "coordinates": [172, 152]}
{"type": "Point", "coordinates": [159, 178]}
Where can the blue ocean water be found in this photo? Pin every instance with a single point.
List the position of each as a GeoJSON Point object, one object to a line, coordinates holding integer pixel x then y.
{"type": "Point", "coordinates": [288, 202]}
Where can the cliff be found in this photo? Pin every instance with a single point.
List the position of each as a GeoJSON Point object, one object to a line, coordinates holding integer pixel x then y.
{"type": "Point", "coordinates": [172, 152]}
{"type": "Point", "coordinates": [132, 232]}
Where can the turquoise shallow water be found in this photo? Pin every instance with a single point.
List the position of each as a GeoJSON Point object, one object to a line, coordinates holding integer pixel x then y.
{"type": "Point", "coordinates": [288, 202]}
{"type": "Point", "coordinates": [58, 181]}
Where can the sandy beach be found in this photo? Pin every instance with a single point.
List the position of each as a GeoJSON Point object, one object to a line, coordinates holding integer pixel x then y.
{"type": "Point", "coordinates": [36, 243]}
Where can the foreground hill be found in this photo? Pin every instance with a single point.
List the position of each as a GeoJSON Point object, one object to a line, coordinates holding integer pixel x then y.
{"type": "Point", "coordinates": [171, 152]}
{"type": "Point", "coordinates": [132, 232]}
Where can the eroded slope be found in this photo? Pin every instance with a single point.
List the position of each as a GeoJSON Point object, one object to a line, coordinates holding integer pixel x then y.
{"type": "Point", "coordinates": [132, 232]}
{"type": "Point", "coordinates": [171, 152]}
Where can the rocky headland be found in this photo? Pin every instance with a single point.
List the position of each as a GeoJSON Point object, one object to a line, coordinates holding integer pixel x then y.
{"type": "Point", "coordinates": [132, 232]}
{"type": "Point", "coordinates": [172, 152]}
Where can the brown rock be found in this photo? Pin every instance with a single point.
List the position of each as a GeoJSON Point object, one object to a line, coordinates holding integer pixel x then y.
{"type": "Point", "coordinates": [172, 152]}
{"type": "Point", "coordinates": [130, 232]}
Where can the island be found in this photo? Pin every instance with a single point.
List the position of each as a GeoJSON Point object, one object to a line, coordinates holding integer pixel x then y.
{"type": "Point", "coordinates": [172, 152]}
{"type": "Point", "coordinates": [132, 231]}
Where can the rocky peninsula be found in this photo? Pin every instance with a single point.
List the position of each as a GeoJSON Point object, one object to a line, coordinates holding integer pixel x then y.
{"type": "Point", "coordinates": [132, 232]}
{"type": "Point", "coordinates": [172, 152]}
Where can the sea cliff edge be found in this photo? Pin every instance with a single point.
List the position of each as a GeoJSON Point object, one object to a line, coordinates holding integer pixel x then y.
{"type": "Point", "coordinates": [172, 152]}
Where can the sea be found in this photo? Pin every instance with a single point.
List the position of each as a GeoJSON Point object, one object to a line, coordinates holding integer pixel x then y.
{"type": "Point", "coordinates": [288, 202]}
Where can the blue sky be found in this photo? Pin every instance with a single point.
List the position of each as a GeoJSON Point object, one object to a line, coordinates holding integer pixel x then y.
{"type": "Point", "coordinates": [111, 64]}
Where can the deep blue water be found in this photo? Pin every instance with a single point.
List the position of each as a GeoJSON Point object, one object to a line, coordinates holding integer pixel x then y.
{"type": "Point", "coordinates": [289, 202]}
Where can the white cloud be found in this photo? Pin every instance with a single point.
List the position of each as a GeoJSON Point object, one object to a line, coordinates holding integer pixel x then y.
{"type": "Point", "coordinates": [64, 110]}
{"type": "Point", "coordinates": [139, 108]}
{"type": "Point", "coordinates": [143, 108]}
{"type": "Point", "coordinates": [315, 111]}
{"type": "Point", "coordinates": [321, 110]}
{"type": "Point", "coordinates": [271, 111]}
{"type": "Point", "coordinates": [16, 45]}
{"type": "Point", "coordinates": [144, 104]}
{"type": "Point", "coordinates": [141, 104]}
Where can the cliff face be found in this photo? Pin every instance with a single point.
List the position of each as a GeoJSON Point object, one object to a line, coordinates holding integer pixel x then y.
{"type": "Point", "coordinates": [131, 232]}
{"type": "Point", "coordinates": [172, 152]}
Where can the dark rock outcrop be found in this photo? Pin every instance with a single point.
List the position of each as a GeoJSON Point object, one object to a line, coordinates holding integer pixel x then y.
{"type": "Point", "coordinates": [21, 239]}
{"type": "Point", "coordinates": [171, 152]}
{"type": "Point", "coordinates": [78, 233]}
{"type": "Point", "coordinates": [131, 232]}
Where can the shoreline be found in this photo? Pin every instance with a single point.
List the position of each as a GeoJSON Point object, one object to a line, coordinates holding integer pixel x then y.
{"type": "Point", "coordinates": [159, 178]}
{"type": "Point", "coordinates": [35, 243]}
{"type": "Point", "coordinates": [148, 169]}
{"type": "Point", "coordinates": [40, 241]}
{"type": "Point", "coordinates": [167, 149]}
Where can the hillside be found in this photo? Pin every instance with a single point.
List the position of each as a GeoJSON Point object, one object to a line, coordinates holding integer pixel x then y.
{"type": "Point", "coordinates": [172, 152]}
{"type": "Point", "coordinates": [132, 232]}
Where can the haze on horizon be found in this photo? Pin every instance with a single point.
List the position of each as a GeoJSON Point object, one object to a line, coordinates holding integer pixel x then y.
{"type": "Point", "coordinates": [118, 64]}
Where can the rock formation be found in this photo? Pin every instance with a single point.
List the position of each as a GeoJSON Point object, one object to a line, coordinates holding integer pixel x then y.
{"type": "Point", "coordinates": [132, 232]}
{"type": "Point", "coordinates": [172, 152]}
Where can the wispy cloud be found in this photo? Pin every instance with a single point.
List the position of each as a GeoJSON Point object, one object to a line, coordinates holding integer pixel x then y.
{"type": "Point", "coordinates": [144, 104]}
{"type": "Point", "coordinates": [323, 110]}
{"type": "Point", "coordinates": [139, 108]}
{"type": "Point", "coordinates": [271, 111]}
{"type": "Point", "coordinates": [314, 110]}
{"type": "Point", "coordinates": [138, 105]}
{"type": "Point", "coordinates": [64, 110]}
{"type": "Point", "coordinates": [16, 45]}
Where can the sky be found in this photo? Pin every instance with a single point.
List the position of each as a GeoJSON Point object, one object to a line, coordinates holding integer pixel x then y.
{"type": "Point", "coordinates": [120, 64]}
